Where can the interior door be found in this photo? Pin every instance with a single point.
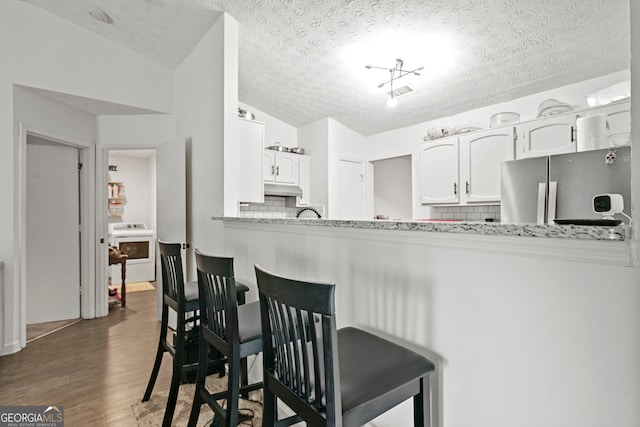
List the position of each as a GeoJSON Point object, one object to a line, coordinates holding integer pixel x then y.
{"type": "Point", "coordinates": [53, 238]}
{"type": "Point", "coordinates": [351, 189]}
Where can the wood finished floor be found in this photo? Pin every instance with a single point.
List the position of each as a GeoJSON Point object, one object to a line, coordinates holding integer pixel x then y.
{"type": "Point", "coordinates": [95, 368]}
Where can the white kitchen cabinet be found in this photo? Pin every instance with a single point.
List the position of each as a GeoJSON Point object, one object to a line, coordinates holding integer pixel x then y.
{"type": "Point", "coordinates": [304, 180]}
{"type": "Point", "coordinates": [280, 167]}
{"type": "Point", "coordinates": [438, 171]}
{"type": "Point", "coordinates": [546, 136]}
{"type": "Point", "coordinates": [618, 121]}
{"type": "Point", "coordinates": [465, 169]}
{"type": "Point", "coordinates": [480, 156]}
{"type": "Point", "coordinates": [251, 143]}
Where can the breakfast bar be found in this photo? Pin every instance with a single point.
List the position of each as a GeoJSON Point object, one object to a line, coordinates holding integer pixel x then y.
{"type": "Point", "coordinates": [617, 233]}
{"type": "Point", "coordinates": [496, 306]}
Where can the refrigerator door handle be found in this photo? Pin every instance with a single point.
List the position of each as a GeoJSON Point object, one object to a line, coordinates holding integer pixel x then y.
{"type": "Point", "coordinates": [551, 202]}
{"type": "Point", "coordinates": [542, 196]}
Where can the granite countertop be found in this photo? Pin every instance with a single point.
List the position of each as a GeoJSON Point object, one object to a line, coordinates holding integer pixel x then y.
{"type": "Point", "coordinates": [618, 233]}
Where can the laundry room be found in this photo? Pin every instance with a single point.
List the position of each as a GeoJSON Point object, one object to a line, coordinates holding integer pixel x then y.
{"type": "Point", "coordinates": [132, 218]}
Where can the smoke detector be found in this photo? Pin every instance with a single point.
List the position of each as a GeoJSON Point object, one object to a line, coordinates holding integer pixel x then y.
{"type": "Point", "coordinates": [100, 15]}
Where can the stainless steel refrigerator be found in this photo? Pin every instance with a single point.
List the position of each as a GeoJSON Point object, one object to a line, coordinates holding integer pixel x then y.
{"type": "Point", "coordinates": [542, 189]}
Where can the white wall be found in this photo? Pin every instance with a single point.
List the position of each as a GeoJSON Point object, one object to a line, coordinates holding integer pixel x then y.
{"type": "Point", "coordinates": [313, 138]}
{"type": "Point", "coordinates": [275, 130]}
{"type": "Point", "coordinates": [207, 116]}
{"type": "Point", "coordinates": [69, 60]}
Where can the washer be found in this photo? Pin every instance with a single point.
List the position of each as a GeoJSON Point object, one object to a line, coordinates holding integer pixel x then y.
{"type": "Point", "coordinates": [138, 242]}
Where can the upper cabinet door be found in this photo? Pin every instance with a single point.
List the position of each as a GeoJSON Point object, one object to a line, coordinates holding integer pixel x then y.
{"type": "Point", "coordinates": [553, 135]}
{"type": "Point", "coordinates": [480, 156]}
{"type": "Point", "coordinates": [286, 168]}
{"type": "Point", "coordinates": [439, 172]}
{"type": "Point", "coordinates": [269, 165]}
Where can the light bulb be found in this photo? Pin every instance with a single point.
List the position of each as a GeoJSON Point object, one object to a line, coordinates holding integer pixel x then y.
{"type": "Point", "coordinates": [392, 102]}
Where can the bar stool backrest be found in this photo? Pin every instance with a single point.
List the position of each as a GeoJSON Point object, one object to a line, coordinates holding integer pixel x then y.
{"type": "Point", "coordinates": [218, 301]}
{"type": "Point", "coordinates": [172, 276]}
{"type": "Point", "coordinates": [300, 353]}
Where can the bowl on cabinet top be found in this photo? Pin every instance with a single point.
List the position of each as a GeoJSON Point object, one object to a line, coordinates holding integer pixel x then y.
{"type": "Point", "coordinates": [297, 150]}
{"type": "Point", "coordinates": [278, 147]}
{"type": "Point", "coordinates": [505, 118]}
{"type": "Point", "coordinates": [552, 107]}
{"type": "Point", "coordinates": [468, 127]}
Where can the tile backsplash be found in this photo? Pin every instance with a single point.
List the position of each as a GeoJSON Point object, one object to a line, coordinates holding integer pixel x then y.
{"type": "Point", "coordinates": [467, 213]}
{"type": "Point", "coordinates": [285, 207]}
{"type": "Point", "coordinates": [273, 207]}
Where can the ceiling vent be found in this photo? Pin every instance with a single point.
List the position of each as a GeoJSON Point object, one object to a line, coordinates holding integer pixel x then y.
{"type": "Point", "coordinates": [400, 91]}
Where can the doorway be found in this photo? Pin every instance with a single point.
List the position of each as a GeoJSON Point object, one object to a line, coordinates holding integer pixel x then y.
{"type": "Point", "coordinates": [53, 239]}
{"type": "Point", "coordinates": [392, 188]}
{"type": "Point", "coordinates": [77, 290]}
{"type": "Point", "coordinates": [132, 199]}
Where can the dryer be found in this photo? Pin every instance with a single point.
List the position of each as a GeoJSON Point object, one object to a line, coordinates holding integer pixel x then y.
{"type": "Point", "coordinates": [138, 242]}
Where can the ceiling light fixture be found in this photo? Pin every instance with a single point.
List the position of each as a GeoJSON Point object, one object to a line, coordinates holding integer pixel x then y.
{"type": "Point", "coordinates": [395, 73]}
{"type": "Point", "coordinates": [100, 15]}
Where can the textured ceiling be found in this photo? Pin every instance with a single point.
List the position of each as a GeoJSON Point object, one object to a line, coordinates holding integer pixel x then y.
{"type": "Point", "coordinates": [304, 60]}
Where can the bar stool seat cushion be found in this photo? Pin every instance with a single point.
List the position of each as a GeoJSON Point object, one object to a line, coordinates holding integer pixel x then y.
{"type": "Point", "coordinates": [392, 367]}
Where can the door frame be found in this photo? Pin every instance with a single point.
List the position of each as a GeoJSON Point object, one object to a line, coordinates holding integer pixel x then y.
{"type": "Point", "coordinates": [144, 132]}
{"type": "Point", "coordinates": [87, 220]}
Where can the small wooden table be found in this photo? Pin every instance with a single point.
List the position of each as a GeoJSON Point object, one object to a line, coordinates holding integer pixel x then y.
{"type": "Point", "coordinates": [116, 257]}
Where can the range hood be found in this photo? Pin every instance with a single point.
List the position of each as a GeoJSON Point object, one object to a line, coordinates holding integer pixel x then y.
{"type": "Point", "coordinates": [282, 190]}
